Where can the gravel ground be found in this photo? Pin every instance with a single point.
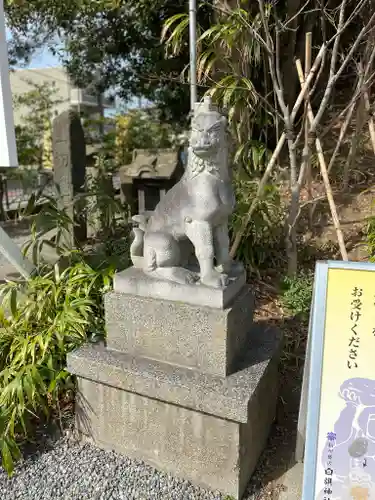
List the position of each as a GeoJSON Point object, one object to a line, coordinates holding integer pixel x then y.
{"type": "Point", "coordinates": [67, 470]}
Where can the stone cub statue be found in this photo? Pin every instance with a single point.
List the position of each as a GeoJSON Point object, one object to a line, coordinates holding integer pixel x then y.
{"type": "Point", "coordinates": [196, 208]}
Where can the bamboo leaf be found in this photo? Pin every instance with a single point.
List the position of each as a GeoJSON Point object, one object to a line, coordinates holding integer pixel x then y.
{"type": "Point", "coordinates": [170, 22]}
{"type": "Point", "coordinates": [13, 302]}
{"type": "Point", "coordinates": [7, 459]}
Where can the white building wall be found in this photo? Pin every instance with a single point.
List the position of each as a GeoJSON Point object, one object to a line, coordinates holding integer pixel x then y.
{"type": "Point", "coordinates": [24, 80]}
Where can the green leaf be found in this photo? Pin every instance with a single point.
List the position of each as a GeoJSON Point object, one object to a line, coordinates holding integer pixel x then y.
{"type": "Point", "coordinates": [175, 39]}
{"type": "Point", "coordinates": [13, 302]}
{"type": "Point", "coordinates": [171, 21]}
{"type": "Point", "coordinates": [7, 459]}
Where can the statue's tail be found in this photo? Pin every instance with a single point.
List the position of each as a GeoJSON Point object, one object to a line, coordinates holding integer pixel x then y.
{"type": "Point", "coordinates": [136, 248]}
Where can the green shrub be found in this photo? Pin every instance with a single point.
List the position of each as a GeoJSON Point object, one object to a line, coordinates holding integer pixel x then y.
{"type": "Point", "coordinates": [297, 294]}
{"type": "Point", "coordinates": [103, 208]}
{"type": "Point", "coordinates": [142, 129]}
{"type": "Point", "coordinates": [262, 245]}
{"type": "Point", "coordinates": [41, 321]}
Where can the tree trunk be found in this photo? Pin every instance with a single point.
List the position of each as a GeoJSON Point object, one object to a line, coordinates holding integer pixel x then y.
{"type": "Point", "coordinates": [291, 239]}
{"type": "Point", "coordinates": [289, 53]}
{"type": "Point", "coordinates": [350, 161]}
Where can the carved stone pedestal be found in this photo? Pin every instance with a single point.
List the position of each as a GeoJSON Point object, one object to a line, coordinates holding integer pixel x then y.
{"type": "Point", "coordinates": [189, 389]}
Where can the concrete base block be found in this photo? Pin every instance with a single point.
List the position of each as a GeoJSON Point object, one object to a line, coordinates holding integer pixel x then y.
{"type": "Point", "coordinates": [206, 339]}
{"type": "Point", "coordinates": [207, 429]}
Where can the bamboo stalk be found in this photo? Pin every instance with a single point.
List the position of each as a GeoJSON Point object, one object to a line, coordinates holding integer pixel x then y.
{"type": "Point", "coordinates": [324, 172]}
{"type": "Point", "coordinates": [343, 130]}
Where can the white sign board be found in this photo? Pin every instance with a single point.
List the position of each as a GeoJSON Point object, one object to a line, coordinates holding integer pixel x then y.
{"type": "Point", "coordinates": [339, 411]}
{"type": "Point", "coordinates": [8, 150]}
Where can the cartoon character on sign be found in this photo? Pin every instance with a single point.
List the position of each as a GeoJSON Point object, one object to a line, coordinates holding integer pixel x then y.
{"type": "Point", "coordinates": [352, 457]}
{"type": "Point", "coordinates": [358, 493]}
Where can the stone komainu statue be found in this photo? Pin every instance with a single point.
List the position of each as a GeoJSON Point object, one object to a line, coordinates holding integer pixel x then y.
{"type": "Point", "coordinates": [196, 209]}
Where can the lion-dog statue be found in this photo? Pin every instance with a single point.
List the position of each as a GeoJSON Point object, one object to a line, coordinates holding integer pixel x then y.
{"type": "Point", "coordinates": [196, 209]}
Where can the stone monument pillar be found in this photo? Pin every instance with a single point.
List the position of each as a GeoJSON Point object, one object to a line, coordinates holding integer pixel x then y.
{"type": "Point", "coordinates": [69, 166]}
{"type": "Point", "coordinates": [186, 382]}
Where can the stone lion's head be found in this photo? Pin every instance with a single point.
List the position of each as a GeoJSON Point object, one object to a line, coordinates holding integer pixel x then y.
{"type": "Point", "coordinates": [208, 133]}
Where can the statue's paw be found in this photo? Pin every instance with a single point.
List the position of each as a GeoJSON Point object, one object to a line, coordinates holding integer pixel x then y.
{"type": "Point", "coordinates": [177, 274]}
{"type": "Point", "coordinates": [232, 268]}
{"type": "Point", "coordinates": [224, 268]}
{"type": "Point", "coordinates": [191, 278]}
{"type": "Point", "coordinates": [215, 280]}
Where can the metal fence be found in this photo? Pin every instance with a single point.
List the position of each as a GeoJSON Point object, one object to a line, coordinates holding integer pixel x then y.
{"type": "Point", "coordinates": [17, 187]}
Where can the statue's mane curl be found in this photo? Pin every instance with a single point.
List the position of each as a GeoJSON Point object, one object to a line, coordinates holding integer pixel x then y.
{"type": "Point", "coordinates": [198, 165]}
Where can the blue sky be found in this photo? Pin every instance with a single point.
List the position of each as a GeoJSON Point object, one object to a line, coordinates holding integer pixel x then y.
{"type": "Point", "coordinates": [43, 59]}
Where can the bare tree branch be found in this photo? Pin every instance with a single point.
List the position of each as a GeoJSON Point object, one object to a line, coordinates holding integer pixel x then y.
{"type": "Point", "coordinates": [324, 172]}
{"type": "Point", "coordinates": [333, 79]}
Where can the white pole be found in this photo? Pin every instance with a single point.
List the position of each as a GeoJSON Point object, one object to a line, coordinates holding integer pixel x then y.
{"type": "Point", "coordinates": [193, 52]}
{"type": "Point", "coordinates": [8, 150]}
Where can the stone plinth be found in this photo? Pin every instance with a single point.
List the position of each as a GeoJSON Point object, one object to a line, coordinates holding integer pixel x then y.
{"type": "Point", "coordinates": [205, 428]}
{"type": "Point", "coordinates": [134, 281]}
{"type": "Point", "coordinates": [206, 339]}
{"type": "Point", "coordinates": [186, 381]}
